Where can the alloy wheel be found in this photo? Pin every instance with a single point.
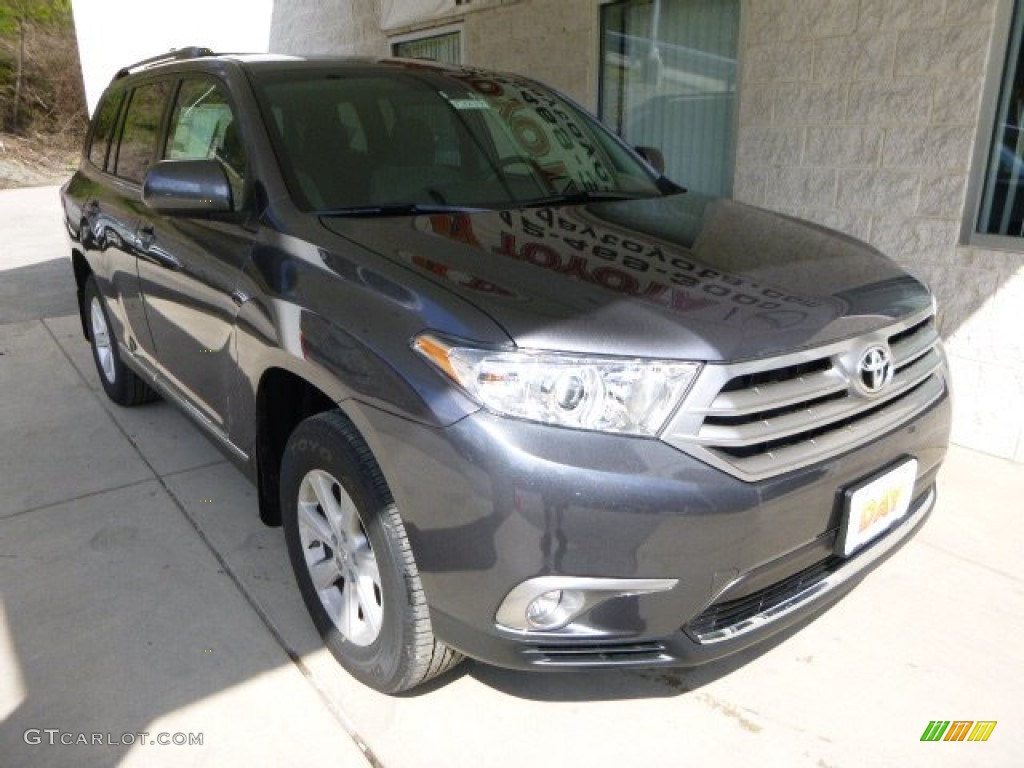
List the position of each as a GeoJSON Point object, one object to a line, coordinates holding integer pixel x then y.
{"type": "Point", "coordinates": [101, 340]}
{"type": "Point", "coordinates": [341, 563]}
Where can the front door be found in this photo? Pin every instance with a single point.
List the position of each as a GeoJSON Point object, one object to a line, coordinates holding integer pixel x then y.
{"type": "Point", "coordinates": [190, 266]}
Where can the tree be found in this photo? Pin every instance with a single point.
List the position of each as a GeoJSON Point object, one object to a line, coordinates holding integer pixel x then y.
{"type": "Point", "coordinates": [16, 17]}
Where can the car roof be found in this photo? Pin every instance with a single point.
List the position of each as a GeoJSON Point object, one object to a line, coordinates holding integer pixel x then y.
{"type": "Point", "coordinates": [189, 58]}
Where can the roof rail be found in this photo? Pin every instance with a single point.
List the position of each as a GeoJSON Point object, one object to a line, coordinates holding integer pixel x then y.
{"type": "Point", "coordinates": [175, 54]}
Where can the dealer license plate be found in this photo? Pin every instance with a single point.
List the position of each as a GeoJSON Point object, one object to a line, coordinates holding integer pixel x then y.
{"type": "Point", "coordinates": [876, 505]}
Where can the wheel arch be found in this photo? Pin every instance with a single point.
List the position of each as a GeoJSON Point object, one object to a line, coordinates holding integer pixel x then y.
{"type": "Point", "coordinates": [284, 399]}
{"type": "Point", "coordinates": [82, 270]}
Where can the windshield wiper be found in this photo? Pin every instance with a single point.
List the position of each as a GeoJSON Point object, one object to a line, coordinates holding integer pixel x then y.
{"type": "Point", "coordinates": [403, 209]}
{"type": "Point", "coordinates": [583, 196]}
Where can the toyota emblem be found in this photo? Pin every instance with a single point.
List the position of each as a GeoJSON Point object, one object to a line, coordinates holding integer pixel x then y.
{"type": "Point", "coordinates": [875, 369]}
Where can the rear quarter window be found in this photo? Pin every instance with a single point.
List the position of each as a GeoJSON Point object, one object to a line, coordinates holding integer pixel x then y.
{"type": "Point", "coordinates": [103, 128]}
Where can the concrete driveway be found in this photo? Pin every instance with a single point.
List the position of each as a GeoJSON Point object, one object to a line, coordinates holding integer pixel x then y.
{"type": "Point", "coordinates": [140, 594]}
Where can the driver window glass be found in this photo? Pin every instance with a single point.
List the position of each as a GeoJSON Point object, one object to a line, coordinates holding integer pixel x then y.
{"type": "Point", "coordinates": [203, 127]}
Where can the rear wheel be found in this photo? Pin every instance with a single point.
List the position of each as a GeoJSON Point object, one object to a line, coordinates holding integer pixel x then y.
{"type": "Point", "coordinates": [352, 559]}
{"type": "Point", "coordinates": [121, 383]}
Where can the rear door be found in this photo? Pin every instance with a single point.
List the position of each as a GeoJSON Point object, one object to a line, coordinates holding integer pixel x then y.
{"type": "Point", "coordinates": [190, 266]}
{"type": "Point", "coordinates": [123, 146]}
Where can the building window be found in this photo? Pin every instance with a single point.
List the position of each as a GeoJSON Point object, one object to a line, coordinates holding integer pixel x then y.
{"type": "Point", "coordinates": [668, 80]}
{"type": "Point", "coordinates": [1002, 197]}
{"type": "Point", "coordinates": [444, 48]}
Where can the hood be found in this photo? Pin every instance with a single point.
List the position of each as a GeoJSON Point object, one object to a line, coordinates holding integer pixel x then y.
{"type": "Point", "coordinates": [682, 277]}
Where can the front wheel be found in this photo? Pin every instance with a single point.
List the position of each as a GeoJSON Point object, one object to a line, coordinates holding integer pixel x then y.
{"type": "Point", "coordinates": [352, 560]}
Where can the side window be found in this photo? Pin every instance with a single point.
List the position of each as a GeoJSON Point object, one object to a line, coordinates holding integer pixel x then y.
{"type": "Point", "coordinates": [103, 128]}
{"type": "Point", "coordinates": [141, 128]}
{"type": "Point", "coordinates": [203, 127]}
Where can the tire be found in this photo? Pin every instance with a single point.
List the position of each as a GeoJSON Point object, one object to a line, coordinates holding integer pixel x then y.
{"type": "Point", "coordinates": [120, 382]}
{"type": "Point", "coordinates": [352, 559]}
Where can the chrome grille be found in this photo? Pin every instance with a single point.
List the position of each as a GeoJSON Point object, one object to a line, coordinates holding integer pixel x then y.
{"type": "Point", "coordinates": [762, 418]}
{"type": "Point", "coordinates": [720, 618]}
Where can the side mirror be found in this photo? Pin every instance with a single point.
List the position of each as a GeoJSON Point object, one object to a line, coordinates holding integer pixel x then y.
{"type": "Point", "coordinates": [187, 188]}
{"type": "Point", "coordinates": [653, 157]}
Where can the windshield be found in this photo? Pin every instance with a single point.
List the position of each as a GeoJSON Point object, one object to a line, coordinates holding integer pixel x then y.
{"type": "Point", "coordinates": [422, 138]}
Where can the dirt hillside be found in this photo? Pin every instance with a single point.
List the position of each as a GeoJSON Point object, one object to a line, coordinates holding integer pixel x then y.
{"type": "Point", "coordinates": [31, 162]}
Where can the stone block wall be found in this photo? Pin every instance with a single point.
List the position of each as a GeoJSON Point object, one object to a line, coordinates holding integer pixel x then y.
{"type": "Point", "coordinates": [863, 116]}
{"type": "Point", "coordinates": [316, 27]}
{"type": "Point", "coordinates": [555, 41]}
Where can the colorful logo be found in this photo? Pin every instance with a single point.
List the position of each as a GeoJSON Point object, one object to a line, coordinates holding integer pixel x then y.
{"type": "Point", "coordinates": [958, 730]}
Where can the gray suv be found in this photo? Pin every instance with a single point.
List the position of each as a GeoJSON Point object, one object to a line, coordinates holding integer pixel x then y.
{"type": "Point", "coordinates": [512, 393]}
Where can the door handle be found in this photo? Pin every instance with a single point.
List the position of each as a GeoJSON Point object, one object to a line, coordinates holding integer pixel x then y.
{"type": "Point", "coordinates": [165, 259]}
{"type": "Point", "coordinates": [89, 237]}
{"type": "Point", "coordinates": [145, 236]}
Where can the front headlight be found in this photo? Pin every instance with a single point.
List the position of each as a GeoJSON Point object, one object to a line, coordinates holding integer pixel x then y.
{"type": "Point", "coordinates": [607, 394]}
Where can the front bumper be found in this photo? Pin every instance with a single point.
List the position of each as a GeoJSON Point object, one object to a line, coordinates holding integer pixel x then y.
{"type": "Point", "coordinates": [489, 503]}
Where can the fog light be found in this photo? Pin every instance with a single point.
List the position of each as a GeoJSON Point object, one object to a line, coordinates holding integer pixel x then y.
{"type": "Point", "coordinates": [542, 608]}
{"type": "Point", "coordinates": [552, 603]}
{"type": "Point", "coordinates": [553, 608]}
